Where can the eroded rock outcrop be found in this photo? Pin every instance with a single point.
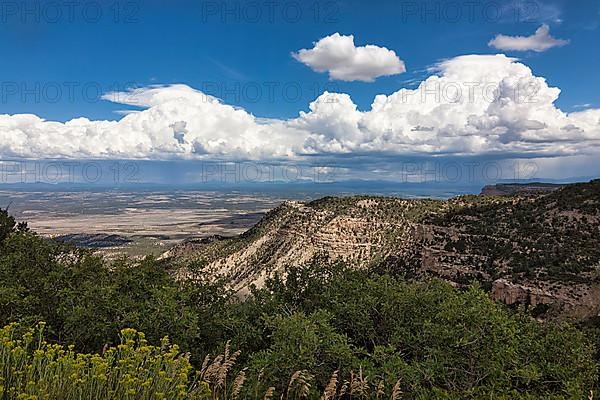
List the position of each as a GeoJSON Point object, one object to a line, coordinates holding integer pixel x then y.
{"type": "Point", "coordinates": [536, 250]}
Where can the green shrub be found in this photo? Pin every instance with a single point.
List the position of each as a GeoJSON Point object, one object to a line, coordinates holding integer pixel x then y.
{"type": "Point", "coordinates": [31, 368]}
{"type": "Point", "coordinates": [325, 328]}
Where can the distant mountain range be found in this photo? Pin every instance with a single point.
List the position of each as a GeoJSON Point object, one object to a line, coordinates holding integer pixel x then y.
{"type": "Point", "coordinates": [435, 189]}
{"type": "Point", "coordinates": [508, 189]}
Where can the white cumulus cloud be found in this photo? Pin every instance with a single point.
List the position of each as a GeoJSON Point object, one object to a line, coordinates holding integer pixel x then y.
{"type": "Point", "coordinates": [474, 104]}
{"type": "Point", "coordinates": [178, 122]}
{"type": "Point", "coordinates": [540, 41]}
{"type": "Point", "coordinates": [471, 105]}
{"type": "Point", "coordinates": [338, 55]}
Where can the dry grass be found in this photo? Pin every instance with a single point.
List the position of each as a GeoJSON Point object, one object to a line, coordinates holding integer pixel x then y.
{"type": "Point", "coordinates": [331, 388]}
{"type": "Point", "coordinates": [215, 373]}
{"type": "Point", "coordinates": [300, 384]}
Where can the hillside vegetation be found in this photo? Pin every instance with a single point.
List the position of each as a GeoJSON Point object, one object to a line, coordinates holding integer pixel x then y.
{"type": "Point", "coordinates": [325, 329]}
{"type": "Point", "coordinates": [541, 249]}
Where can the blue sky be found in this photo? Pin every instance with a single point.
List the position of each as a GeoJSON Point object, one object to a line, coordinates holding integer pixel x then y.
{"type": "Point", "coordinates": [61, 58]}
{"type": "Point", "coordinates": [192, 42]}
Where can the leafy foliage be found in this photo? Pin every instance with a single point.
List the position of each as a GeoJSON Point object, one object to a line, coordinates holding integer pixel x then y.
{"type": "Point", "coordinates": [439, 341]}
{"type": "Point", "coordinates": [321, 330]}
{"type": "Point", "coordinates": [553, 236]}
{"type": "Point", "coordinates": [35, 369]}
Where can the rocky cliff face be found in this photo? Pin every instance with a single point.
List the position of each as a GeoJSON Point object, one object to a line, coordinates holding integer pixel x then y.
{"type": "Point", "coordinates": [355, 230]}
{"type": "Point", "coordinates": [575, 300]}
{"type": "Point", "coordinates": [537, 250]}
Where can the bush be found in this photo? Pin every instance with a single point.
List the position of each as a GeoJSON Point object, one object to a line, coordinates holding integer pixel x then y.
{"type": "Point", "coordinates": [435, 338]}
{"type": "Point", "coordinates": [324, 328]}
{"type": "Point", "coordinates": [31, 368]}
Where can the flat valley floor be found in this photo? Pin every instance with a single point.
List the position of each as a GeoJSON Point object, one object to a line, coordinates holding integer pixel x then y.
{"type": "Point", "coordinates": [149, 221]}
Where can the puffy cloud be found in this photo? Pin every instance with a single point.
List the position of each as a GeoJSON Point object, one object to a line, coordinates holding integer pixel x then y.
{"type": "Point", "coordinates": [338, 55]}
{"type": "Point", "coordinates": [178, 122]}
{"type": "Point", "coordinates": [470, 105]}
{"type": "Point", "coordinates": [540, 41]}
